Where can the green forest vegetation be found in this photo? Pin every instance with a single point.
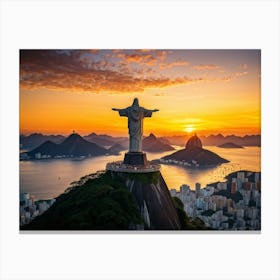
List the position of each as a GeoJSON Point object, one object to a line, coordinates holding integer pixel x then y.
{"type": "Point", "coordinates": [99, 204]}
{"type": "Point", "coordinates": [103, 203]}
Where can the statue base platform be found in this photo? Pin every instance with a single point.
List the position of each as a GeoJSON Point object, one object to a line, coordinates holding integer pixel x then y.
{"type": "Point", "coordinates": [135, 158]}
{"type": "Point", "coordinates": [120, 166]}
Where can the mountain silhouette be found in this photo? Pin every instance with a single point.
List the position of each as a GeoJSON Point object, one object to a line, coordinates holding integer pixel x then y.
{"type": "Point", "coordinates": [153, 144]}
{"type": "Point", "coordinates": [194, 142]}
{"type": "Point", "coordinates": [34, 140]}
{"type": "Point", "coordinates": [215, 140]}
{"type": "Point", "coordinates": [73, 145]}
{"type": "Point", "coordinates": [116, 149]}
{"type": "Point", "coordinates": [230, 145]}
{"type": "Point", "coordinates": [105, 140]}
{"type": "Point", "coordinates": [195, 152]}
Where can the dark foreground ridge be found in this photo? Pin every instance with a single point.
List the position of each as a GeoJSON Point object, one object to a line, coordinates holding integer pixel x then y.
{"type": "Point", "coordinates": [116, 201]}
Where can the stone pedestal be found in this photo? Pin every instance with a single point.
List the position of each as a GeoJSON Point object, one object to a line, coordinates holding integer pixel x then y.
{"type": "Point", "coordinates": [135, 158]}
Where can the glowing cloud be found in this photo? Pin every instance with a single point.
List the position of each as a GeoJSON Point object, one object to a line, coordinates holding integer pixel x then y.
{"type": "Point", "coordinates": [203, 91]}
{"type": "Point", "coordinates": [91, 72]}
{"type": "Point", "coordinates": [238, 74]}
{"type": "Point", "coordinates": [206, 67]}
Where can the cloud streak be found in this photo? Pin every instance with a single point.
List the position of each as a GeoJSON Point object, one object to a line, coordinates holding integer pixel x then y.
{"type": "Point", "coordinates": [173, 64]}
{"type": "Point", "coordinates": [239, 74]}
{"type": "Point", "coordinates": [206, 67]}
{"type": "Point", "coordinates": [91, 71]}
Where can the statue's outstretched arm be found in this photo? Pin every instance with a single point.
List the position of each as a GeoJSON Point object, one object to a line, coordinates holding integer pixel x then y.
{"type": "Point", "coordinates": [149, 113]}
{"type": "Point", "coordinates": [122, 112]}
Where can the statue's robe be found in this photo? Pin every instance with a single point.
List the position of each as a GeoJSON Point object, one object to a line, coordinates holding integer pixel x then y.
{"type": "Point", "coordinates": [135, 115]}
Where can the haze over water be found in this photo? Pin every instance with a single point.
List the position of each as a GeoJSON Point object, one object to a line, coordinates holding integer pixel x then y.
{"type": "Point", "coordinates": [49, 178]}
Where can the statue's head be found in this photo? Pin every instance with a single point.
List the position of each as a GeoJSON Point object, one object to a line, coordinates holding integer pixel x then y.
{"type": "Point", "coordinates": [135, 102]}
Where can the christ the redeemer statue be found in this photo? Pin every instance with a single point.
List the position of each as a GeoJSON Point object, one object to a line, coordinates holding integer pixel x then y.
{"type": "Point", "coordinates": [135, 115]}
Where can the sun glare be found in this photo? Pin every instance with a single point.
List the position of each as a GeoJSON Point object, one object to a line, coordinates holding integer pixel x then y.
{"type": "Point", "coordinates": [189, 128]}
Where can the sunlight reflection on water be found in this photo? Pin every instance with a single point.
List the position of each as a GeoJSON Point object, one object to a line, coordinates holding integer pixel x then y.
{"type": "Point", "coordinates": [49, 178]}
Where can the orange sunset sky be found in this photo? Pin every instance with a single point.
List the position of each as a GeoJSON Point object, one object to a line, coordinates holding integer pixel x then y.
{"type": "Point", "coordinates": [203, 91]}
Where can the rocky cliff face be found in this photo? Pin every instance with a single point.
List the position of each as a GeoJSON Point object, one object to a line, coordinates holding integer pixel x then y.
{"type": "Point", "coordinates": [153, 199]}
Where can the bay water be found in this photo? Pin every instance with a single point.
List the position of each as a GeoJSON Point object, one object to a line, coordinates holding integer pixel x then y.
{"type": "Point", "coordinates": [49, 178]}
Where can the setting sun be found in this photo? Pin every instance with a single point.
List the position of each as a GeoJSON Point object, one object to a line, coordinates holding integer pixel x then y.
{"type": "Point", "coordinates": [188, 87]}
{"type": "Point", "coordinates": [189, 128]}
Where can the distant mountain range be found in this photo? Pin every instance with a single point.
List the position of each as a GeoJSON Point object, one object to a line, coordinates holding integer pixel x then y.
{"type": "Point", "coordinates": [49, 146]}
{"type": "Point", "coordinates": [73, 146]}
{"type": "Point", "coordinates": [106, 140]}
{"type": "Point", "coordinates": [116, 149]}
{"type": "Point", "coordinates": [154, 144]}
{"type": "Point", "coordinates": [34, 140]}
{"type": "Point", "coordinates": [215, 140]}
{"type": "Point", "coordinates": [230, 145]}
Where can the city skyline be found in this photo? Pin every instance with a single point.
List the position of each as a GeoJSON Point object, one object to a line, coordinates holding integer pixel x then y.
{"type": "Point", "coordinates": [197, 91]}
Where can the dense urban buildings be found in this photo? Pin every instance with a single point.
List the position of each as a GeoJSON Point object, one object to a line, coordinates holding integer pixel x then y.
{"type": "Point", "coordinates": [231, 205]}
{"type": "Point", "coordinates": [29, 208]}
